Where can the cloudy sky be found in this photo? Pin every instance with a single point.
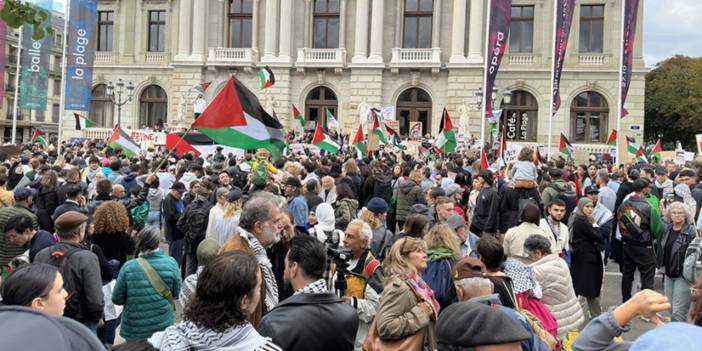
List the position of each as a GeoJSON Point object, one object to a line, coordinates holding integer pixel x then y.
{"type": "Point", "coordinates": [670, 27]}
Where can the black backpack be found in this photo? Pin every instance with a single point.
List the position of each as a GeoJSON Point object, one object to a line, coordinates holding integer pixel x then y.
{"type": "Point", "coordinates": [60, 256]}
{"type": "Point", "coordinates": [382, 188]}
{"type": "Point", "coordinates": [194, 220]}
{"type": "Point", "coordinates": [569, 197]}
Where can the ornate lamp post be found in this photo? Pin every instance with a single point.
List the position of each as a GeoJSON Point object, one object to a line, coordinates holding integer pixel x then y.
{"type": "Point", "coordinates": [118, 100]}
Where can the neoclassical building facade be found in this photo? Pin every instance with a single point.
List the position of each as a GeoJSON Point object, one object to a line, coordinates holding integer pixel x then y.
{"type": "Point", "coordinates": [410, 57]}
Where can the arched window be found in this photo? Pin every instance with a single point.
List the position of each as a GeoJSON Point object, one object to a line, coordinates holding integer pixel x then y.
{"type": "Point", "coordinates": [588, 113]}
{"type": "Point", "coordinates": [417, 23]}
{"type": "Point", "coordinates": [101, 107]}
{"type": "Point", "coordinates": [153, 106]}
{"type": "Point", "coordinates": [520, 117]}
{"type": "Point", "coordinates": [240, 17]}
{"type": "Point", "coordinates": [414, 105]}
{"type": "Point", "coordinates": [318, 102]}
{"type": "Point", "coordinates": [326, 24]}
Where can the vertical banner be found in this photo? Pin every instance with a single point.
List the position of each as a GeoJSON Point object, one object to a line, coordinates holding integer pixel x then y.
{"type": "Point", "coordinates": [631, 10]}
{"type": "Point", "coordinates": [698, 138]}
{"type": "Point", "coordinates": [564, 19]}
{"type": "Point", "coordinates": [3, 58]}
{"type": "Point", "coordinates": [34, 81]}
{"type": "Point", "coordinates": [498, 33]}
{"type": "Point", "coordinates": [80, 54]}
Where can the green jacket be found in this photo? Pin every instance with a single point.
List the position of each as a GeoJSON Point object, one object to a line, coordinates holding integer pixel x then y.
{"type": "Point", "coordinates": [145, 310]}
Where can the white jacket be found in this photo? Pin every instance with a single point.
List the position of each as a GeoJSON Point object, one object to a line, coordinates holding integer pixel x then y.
{"type": "Point", "coordinates": [516, 236]}
{"type": "Point", "coordinates": [553, 275]}
{"type": "Point", "coordinates": [563, 237]}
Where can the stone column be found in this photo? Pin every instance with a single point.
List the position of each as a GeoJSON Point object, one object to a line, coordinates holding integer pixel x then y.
{"type": "Point", "coordinates": [436, 25]}
{"type": "Point", "coordinates": [199, 23]}
{"type": "Point", "coordinates": [475, 38]}
{"type": "Point", "coordinates": [271, 34]}
{"type": "Point", "coordinates": [458, 32]}
{"type": "Point", "coordinates": [307, 24]}
{"type": "Point", "coordinates": [376, 45]}
{"type": "Point", "coordinates": [360, 49]}
{"type": "Point", "coordinates": [184, 29]}
{"type": "Point", "coordinates": [398, 22]}
{"type": "Point", "coordinates": [286, 21]}
{"type": "Point", "coordinates": [254, 28]}
{"type": "Point", "coordinates": [342, 24]}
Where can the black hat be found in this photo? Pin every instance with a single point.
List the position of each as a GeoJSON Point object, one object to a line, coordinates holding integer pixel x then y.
{"type": "Point", "coordinates": [640, 183]}
{"type": "Point", "coordinates": [457, 326]}
{"type": "Point", "coordinates": [377, 205]}
{"type": "Point", "coordinates": [555, 172]}
{"type": "Point", "coordinates": [293, 181]}
{"type": "Point", "coordinates": [660, 170]}
{"type": "Point", "coordinates": [22, 194]}
{"type": "Point", "coordinates": [179, 187]}
{"type": "Point", "coordinates": [590, 189]}
{"type": "Point", "coordinates": [234, 194]}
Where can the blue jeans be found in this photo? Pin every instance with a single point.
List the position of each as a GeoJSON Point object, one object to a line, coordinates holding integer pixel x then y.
{"type": "Point", "coordinates": [677, 290]}
{"type": "Point", "coordinates": [92, 326]}
{"type": "Point", "coordinates": [154, 219]}
{"type": "Point", "coordinates": [175, 249]}
{"type": "Point", "coordinates": [107, 334]}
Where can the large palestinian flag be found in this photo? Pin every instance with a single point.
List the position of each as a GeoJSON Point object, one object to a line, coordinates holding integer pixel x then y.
{"type": "Point", "coordinates": [197, 143]}
{"type": "Point", "coordinates": [121, 141]}
{"type": "Point", "coordinates": [236, 118]}
{"type": "Point", "coordinates": [447, 136]}
{"type": "Point", "coordinates": [324, 141]}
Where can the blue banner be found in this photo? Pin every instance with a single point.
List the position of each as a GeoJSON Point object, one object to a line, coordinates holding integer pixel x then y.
{"type": "Point", "coordinates": [34, 77]}
{"type": "Point", "coordinates": [80, 54]}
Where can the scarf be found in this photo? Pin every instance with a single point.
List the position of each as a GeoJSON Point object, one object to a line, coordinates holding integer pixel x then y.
{"type": "Point", "coordinates": [315, 287]}
{"type": "Point", "coordinates": [439, 253]}
{"type": "Point", "coordinates": [187, 336]}
{"type": "Point", "coordinates": [271, 299]}
{"type": "Point", "coordinates": [423, 291]}
{"type": "Point", "coordinates": [523, 278]}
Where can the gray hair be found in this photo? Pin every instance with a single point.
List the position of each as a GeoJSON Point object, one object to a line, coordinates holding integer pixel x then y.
{"type": "Point", "coordinates": [537, 243]}
{"type": "Point", "coordinates": [257, 209]}
{"type": "Point", "coordinates": [148, 239]}
{"type": "Point", "coordinates": [366, 230]}
{"type": "Point", "coordinates": [475, 287]}
{"type": "Point", "coordinates": [677, 205]}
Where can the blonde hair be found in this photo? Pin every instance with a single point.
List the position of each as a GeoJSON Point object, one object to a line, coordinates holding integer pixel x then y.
{"type": "Point", "coordinates": [370, 218]}
{"type": "Point", "coordinates": [396, 262]}
{"type": "Point", "coordinates": [350, 167]}
{"type": "Point", "coordinates": [231, 208]}
{"type": "Point", "coordinates": [441, 235]}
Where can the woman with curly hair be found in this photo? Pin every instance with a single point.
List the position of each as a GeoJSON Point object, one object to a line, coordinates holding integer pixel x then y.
{"type": "Point", "coordinates": [110, 223]}
{"type": "Point", "coordinates": [227, 293]}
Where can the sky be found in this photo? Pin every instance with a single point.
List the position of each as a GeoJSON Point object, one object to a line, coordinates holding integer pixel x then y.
{"type": "Point", "coordinates": [670, 27]}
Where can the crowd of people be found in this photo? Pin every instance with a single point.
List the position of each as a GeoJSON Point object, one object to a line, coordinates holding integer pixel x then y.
{"type": "Point", "coordinates": [334, 252]}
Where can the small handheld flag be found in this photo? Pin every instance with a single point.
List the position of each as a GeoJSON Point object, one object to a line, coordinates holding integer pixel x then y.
{"type": "Point", "coordinates": [38, 137]}
{"type": "Point", "coordinates": [82, 122]}
{"type": "Point", "coordinates": [266, 77]}
{"type": "Point", "coordinates": [566, 148]}
{"type": "Point", "coordinates": [324, 141]}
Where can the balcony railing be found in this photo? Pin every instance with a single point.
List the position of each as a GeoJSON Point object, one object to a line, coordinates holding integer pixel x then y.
{"type": "Point", "coordinates": [103, 57]}
{"type": "Point", "coordinates": [593, 60]}
{"type": "Point", "coordinates": [520, 59]}
{"type": "Point", "coordinates": [231, 55]}
{"type": "Point", "coordinates": [97, 133]}
{"type": "Point", "coordinates": [416, 57]}
{"type": "Point", "coordinates": [321, 57]}
{"type": "Point", "coordinates": [155, 57]}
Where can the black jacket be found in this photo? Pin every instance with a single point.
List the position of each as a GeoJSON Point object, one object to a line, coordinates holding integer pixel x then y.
{"type": "Point", "coordinates": [311, 322]}
{"type": "Point", "coordinates": [66, 207]}
{"type": "Point", "coordinates": [170, 212]}
{"type": "Point", "coordinates": [46, 203]}
{"type": "Point", "coordinates": [61, 192]}
{"type": "Point", "coordinates": [486, 213]}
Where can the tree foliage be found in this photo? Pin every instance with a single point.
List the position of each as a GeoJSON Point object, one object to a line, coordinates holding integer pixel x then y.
{"type": "Point", "coordinates": [15, 13]}
{"type": "Point", "coordinates": [673, 108]}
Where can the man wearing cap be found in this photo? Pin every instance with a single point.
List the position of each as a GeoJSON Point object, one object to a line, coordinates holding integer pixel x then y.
{"type": "Point", "coordinates": [297, 206]}
{"type": "Point", "coordinates": [639, 224]}
{"type": "Point", "coordinates": [382, 237]}
{"type": "Point", "coordinates": [603, 216]}
{"type": "Point", "coordinates": [469, 241]}
{"type": "Point", "coordinates": [80, 269]}
{"type": "Point", "coordinates": [455, 193]}
{"type": "Point", "coordinates": [171, 209]}
{"type": "Point", "coordinates": [23, 203]}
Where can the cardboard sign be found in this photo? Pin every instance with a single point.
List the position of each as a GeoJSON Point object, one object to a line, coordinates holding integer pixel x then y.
{"type": "Point", "coordinates": [309, 125]}
{"type": "Point", "coordinates": [394, 124]}
{"type": "Point", "coordinates": [680, 157]}
{"type": "Point", "coordinates": [512, 152]}
{"type": "Point", "coordinates": [582, 156]}
{"type": "Point", "coordinates": [388, 113]}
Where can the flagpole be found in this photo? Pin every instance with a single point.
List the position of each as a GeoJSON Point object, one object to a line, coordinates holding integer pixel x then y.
{"type": "Point", "coordinates": [17, 74]}
{"type": "Point", "coordinates": [621, 63]}
{"type": "Point", "coordinates": [553, 76]}
{"type": "Point", "coordinates": [62, 103]}
{"type": "Point", "coordinates": [173, 148]}
{"type": "Point", "coordinates": [485, 73]}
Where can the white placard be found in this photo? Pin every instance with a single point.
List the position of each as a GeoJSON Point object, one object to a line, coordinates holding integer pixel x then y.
{"type": "Point", "coordinates": [512, 152]}
{"type": "Point", "coordinates": [388, 113]}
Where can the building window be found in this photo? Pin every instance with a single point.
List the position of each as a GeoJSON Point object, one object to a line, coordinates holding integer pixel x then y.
{"type": "Point", "coordinates": [58, 40]}
{"type": "Point", "coordinates": [157, 31]}
{"type": "Point", "coordinates": [11, 82]}
{"type": "Point", "coordinates": [589, 118]}
{"type": "Point", "coordinates": [153, 106]}
{"type": "Point", "coordinates": [591, 28]}
{"type": "Point", "coordinates": [57, 87]}
{"type": "Point", "coordinates": [521, 29]}
{"type": "Point", "coordinates": [326, 24]}
{"type": "Point", "coordinates": [106, 22]}
{"type": "Point", "coordinates": [101, 107]}
{"type": "Point", "coordinates": [414, 105]}
{"type": "Point", "coordinates": [318, 102]}
{"type": "Point", "coordinates": [12, 54]}
{"type": "Point", "coordinates": [520, 117]}
{"type": "Point", "coordinates": [240, 19]}
{"type": "Point", "coordinates": [417, 23]}
{"type": "Point", "coordinates": [55, 113]}
{"type": "Point", "coordinates": [39, 116]}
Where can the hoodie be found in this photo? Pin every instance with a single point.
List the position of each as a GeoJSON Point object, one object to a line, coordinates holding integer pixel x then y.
{"type": "Point", "coordinates": [325, 224]}
{"type": "Point", "coordinates": [186, 336]}
{"type": "Point", "coordinates": [187, 178]}
{"type": "Point", "coordinates": [408, 193]}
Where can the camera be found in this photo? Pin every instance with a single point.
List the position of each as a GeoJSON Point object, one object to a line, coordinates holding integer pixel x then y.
{"type": "Point", "coordinates": [339, 255]}
{"type": "Point", "coordinates": [341, 258]}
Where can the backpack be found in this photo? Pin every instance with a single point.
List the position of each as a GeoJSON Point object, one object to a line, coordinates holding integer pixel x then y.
{"type": "Point", "coordinates": [139, 214]}
{"type": "Point", "coordinates": [692, 266]}
{"type": "Point", "coordinates": [438, 277]}
{"type": "Point", "coordinates": [194, 221]}
{"type": "Point", "coordinates": [59, 259]}
{"type": "Point", "coordinates": [383, 188]}
{"type": "Point", "coordinates": [260, 175]}
{"type": "Point", "coordinates": [630, 224]}
{"type": "Point", "coordinates": [569, 197]}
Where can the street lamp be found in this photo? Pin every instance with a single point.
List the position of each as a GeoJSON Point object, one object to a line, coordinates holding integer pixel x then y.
{"type": "Point", "coordinates": [506, 97]}
{"type": "Point", "coordinates": [118, 101]}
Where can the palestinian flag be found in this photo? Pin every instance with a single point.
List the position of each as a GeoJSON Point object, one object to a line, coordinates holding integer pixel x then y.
{"type": "Point", "coordinates": [566, 148]}
{"type": "Point", "coordinates": [332, 123]}
{"type": "Point", "coordinates": [298, 116]}
{"type": "Point", "coordinates": [538, 161]}
{"type": "Point", "coordinates": [631, 146]}
{"type": "Point", "coordinates": [38, 137]}
{"type": "Point", "coordinates": [359, 141]}
{"type": "Point", "coordinates": [394, 137]}
{"type": "Point", "coordinates": [483, 159]}
{"type": "Point", "coordinates": [202, 87]}
{"type": "Point", "coordinates": [236, 118]}
{"type": "Point", "coordinates": [641, 155]}
{"type": "Point", "coordinates": [324, 141]}
{"type": "Point", "coordinates": [121, 141]}
{"type": "Point", "coordinates": [656, 151]}
{"type": "Point", "coordinates": [82, 122]}
{"type": "Point", "coordinates": [266, 77]}
{"type": "Point", "coordinates": [612, 140]}
{"type": "Point", "coordinates": [197, 143]}
{"type": "Point", "coordinates": [446, 141]}
{"type": "Point", "coordinates": [378, 128]}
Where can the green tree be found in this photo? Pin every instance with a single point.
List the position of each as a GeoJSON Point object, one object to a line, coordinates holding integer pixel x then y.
{"type": "Point", "coordinates": [15, 13]}
{"type": "Point", "coordinates": [673, 109]}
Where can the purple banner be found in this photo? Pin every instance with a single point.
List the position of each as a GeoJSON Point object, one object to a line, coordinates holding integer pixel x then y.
{"type": "Point", "coordinates": [631, 10]}
{"type": "Point", "coordinates": [500, 17]}
{"type": "Point", "coordinates": [564, 19]}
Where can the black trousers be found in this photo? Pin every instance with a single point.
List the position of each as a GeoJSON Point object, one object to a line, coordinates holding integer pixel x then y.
{"type": "Point", "coordinates": [633, 258]}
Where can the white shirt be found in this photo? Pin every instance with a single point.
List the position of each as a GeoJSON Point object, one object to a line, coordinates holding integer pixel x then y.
{"type": "Point", "coordinates": [561, 239]}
